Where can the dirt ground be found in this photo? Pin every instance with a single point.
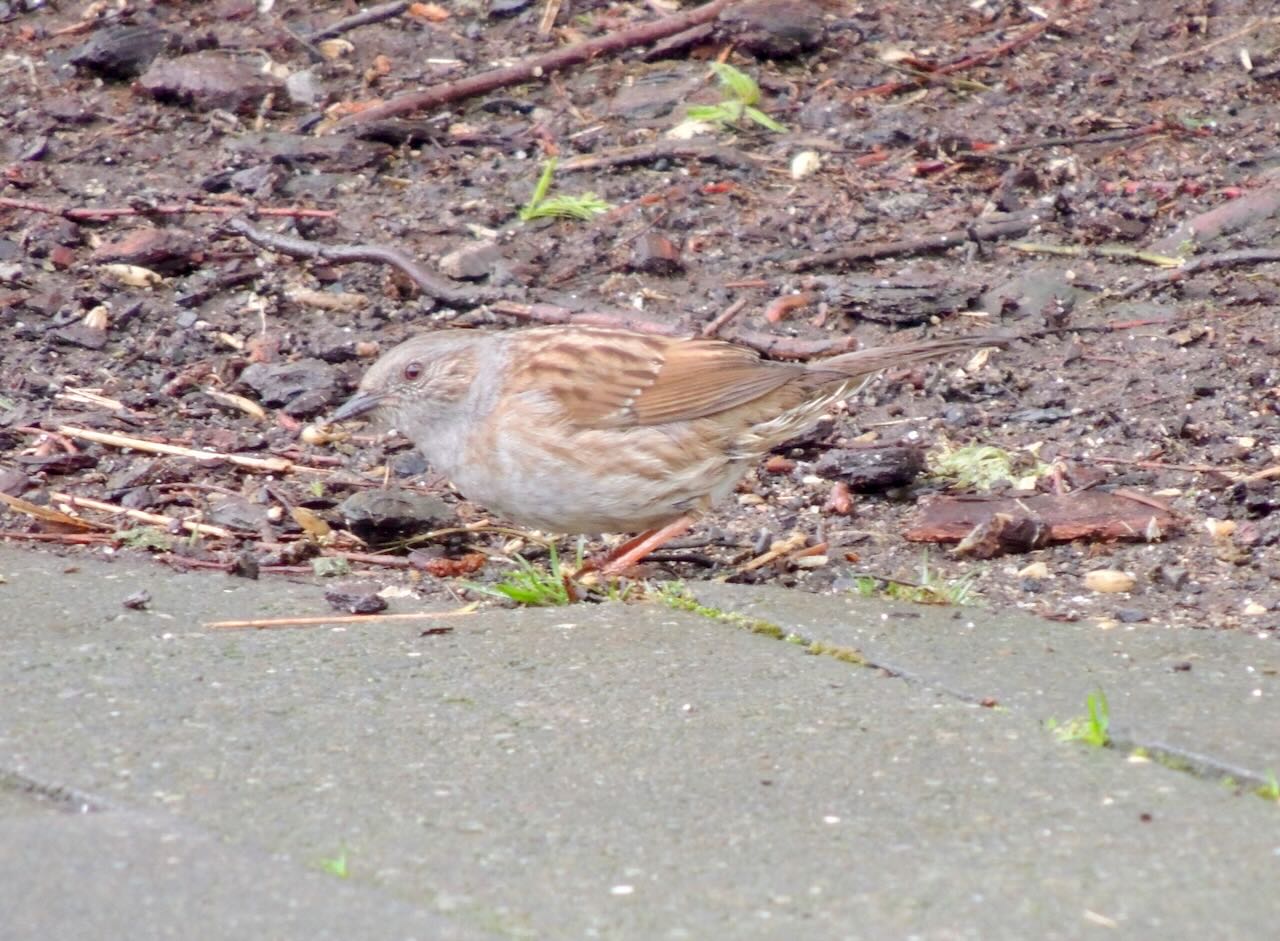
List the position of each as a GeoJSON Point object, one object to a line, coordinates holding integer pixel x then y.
{"type": "Point", "coordinates": [941, 168]}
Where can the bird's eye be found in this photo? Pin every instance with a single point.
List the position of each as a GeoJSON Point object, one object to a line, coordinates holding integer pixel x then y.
{"type": "Point", "coordinates": [413, 371]}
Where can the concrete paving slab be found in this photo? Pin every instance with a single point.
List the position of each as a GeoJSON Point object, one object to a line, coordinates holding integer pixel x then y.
{"type": "Point", "coordinates": [124, 874]}
{"type": "Point", "coordinates": [610, 771]}
{"type": "Point", "coordinates": [1211, 697]}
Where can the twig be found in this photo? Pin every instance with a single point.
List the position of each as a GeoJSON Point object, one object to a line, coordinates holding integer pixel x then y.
{"type": "Point", "coordinates": [1250, 209]}
{"type": "Point", "coordinates": [1100, 251]}
{"type": "Point", "coordinates": [549, 14]}
{"type": "Point", "coordinates": [779, 307]}
{"type": "Point", "coordinates": [70, 539]}
{"type": "Point", "coordinates": [48, 514]}
{"type": "Point", "coordinates": [776, 551]}
{"type": "Point", "coordinates": [430, 284]}
{"type": "Point", "coordinates": [1160, 465]}
{"type": "Point", "coordinates": [537, 67]}
{"type": "Point", "coordinates": [713, 327]}
{"type": "Point", "coordinates": [384, 11]}
{"type": "Point", "coordinates": [1243, 31]}
{"type": "Point", "coordinates": [980, 231]}
{"type": "Point", "coordinates": [142, 516]}
{"type": "Point", "coordinates": [663, 150]}
{"type": "Point", "coordinates": [1265, 474]}
{"type": "Point", "coordinates": [1232, 259]}
{"type": "Point", "coordinates": [959, 65]}
{"type": "Point", "coordinates": [261, 623]}
{"type": "Point", "coordinates": [270, 465]}
{"type": "Point", "coordinates": [1100, 137]}
{"type": "Point", "coordinates": [102, 213]}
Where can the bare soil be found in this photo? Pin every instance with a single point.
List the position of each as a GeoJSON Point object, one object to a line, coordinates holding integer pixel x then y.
{"type": "Point", "coordinates": [1069, 149]}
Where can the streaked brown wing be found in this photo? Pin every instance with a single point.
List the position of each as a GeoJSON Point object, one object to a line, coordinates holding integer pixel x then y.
{"type": "Point", "coordinates": [612, 379]}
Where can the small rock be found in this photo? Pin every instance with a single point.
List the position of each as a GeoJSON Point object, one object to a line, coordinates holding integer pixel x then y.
{"type": "Point", "coordinates": [355, 597]}
{"type": "Point", "coordinates": [235, 512]}
{"type": "Point", "coordinates": [806, 163]}
{"type": "Point", "coordinates": [505, 8]}
{"type": "Point", "coordinates": [13, 481]}
{"type": "Point", "coordinates": [1130, 615]}
{"type": "Point", "coordinates": [167, 250]}
{"type": "Point", "coordinates": [656, 254]}
{"type": "Point", "coordinates": [279, 384]}
{"type": "Point", "coordinates": [1220, 529]}
{"type": "Point", "coordinates": [122, 51]}
{"type": "Point", "coordinates": [386, 515]}
{"type": "Point", "coordinates": [1253, 609]}
{"type": "Point", "coordinates": [1034, 570]}
{"type": "Point", "coordinates": [304, 88]}
{"type": "Point", "coordinates": [1041, 416]}
{"type": "Point", "coordinates": [138, 600]}
{"type": "Point", "coordinates": [207, 81]}
{"type": "Point", "coordinates": [1170, 575]}
{"type": "Point", "coordinates": [471, 262]}
{"type": "Point", "coordinates": [871, 470]}
{"type": "Point", "coordinates": [1003, 533]}
{"type": "Point", "coordinates": [775, 29]}
{"type": "Point", "coordinates": [1109, 581]}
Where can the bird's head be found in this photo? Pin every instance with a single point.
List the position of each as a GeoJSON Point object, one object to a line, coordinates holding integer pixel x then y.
{"type": "Point", "coordinates": [415, 380]}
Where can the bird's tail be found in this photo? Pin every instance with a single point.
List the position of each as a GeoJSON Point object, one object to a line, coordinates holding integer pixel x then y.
{"type": "Point", "coordinates": [872, 360]}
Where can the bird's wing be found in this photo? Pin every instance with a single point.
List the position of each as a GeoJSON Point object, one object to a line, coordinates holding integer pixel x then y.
{"type": "Point", "coordinates": [648, 380]}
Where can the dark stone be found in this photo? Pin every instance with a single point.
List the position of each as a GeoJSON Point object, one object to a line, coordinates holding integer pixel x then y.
{"type": "Point", "coordinates": [208, 81]}
{"type": "Point", "coordinates": [871, 470]}
{"type": "Point", "coordinates": [138, 600]}
{"type": "Point", "coordinates": [122, 51]}
{"type": "Point", "coordinates": [278, 384]}
{"type": "Point", "coordinates": [774, 29]}
{"type": "Point", "coordinates": [1174, 577]}
{"type": "Point", "coordinates": [656, 254]}
{"type": "Point", "coordinates": [166, 250]}
{"type": "Point", "coordinates": [355, 597]}
{"type": "Point", "coordinates": [1131, 615]}
{"type": "Point", "coordinates": [235, 512]}
{"type": "Point", "coordinates": [378, 516]}
{"type": "Point", "coordinates": [504, 8]}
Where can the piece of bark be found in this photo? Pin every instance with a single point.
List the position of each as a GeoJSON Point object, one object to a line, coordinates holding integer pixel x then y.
{"type": "Point", "coordinates": [1086, 514]}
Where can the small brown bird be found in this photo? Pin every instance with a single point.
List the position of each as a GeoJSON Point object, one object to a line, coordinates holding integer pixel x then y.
{"type": "Point", "coordinates": [594, 430]}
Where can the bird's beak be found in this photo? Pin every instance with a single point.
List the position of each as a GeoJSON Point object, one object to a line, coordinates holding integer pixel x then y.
{"type": "Point", "coordinates": [362, 403]}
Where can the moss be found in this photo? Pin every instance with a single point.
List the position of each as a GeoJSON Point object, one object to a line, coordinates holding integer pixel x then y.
{"type": "Point", "coordinates": [675, 596]}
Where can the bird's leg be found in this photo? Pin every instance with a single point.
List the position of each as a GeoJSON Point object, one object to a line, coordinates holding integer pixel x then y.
{"type": "Point", "coordinates": [633, 550]}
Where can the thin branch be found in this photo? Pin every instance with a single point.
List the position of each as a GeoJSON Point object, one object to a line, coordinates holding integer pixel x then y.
{"type": "Point", "coordinates": [663, 150]}
{"type": "Point", "coordinates": [340, 619]}
{"type": "Point", "coordinates": [1232, 259]}
{"type": "Point", "coordinates": [431, 284]}
{"type": "Point", "coordinates": [980, 231]}
{"type": "Point", "coordinates": [269, 465]}
{"type": "Point", "coordinates": [142, 516]}
{"type": "Point", "coordinates": [538, 67]}
{"type": "Point", "coordinates": [384, 11]}
{"type": "Point", "coordinates": [102, 213]}
{"type": "Point", "coordinates": [959, 65]}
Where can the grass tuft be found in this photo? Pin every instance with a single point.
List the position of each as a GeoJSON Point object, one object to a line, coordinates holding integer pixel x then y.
{"type": "Point", "coordinates": [585, 207]}
{"type": "Point", "coordinates": [742, 94]}
{"type": "Point", "coordinates": [1092, 729]}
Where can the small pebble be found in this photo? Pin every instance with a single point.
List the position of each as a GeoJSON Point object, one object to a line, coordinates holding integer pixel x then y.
{"type": "Point", "coordinates": [1109, 581]}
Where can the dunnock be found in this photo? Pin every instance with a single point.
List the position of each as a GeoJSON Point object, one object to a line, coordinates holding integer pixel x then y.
{"type": "Point", "coordinates": [592, 430]}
